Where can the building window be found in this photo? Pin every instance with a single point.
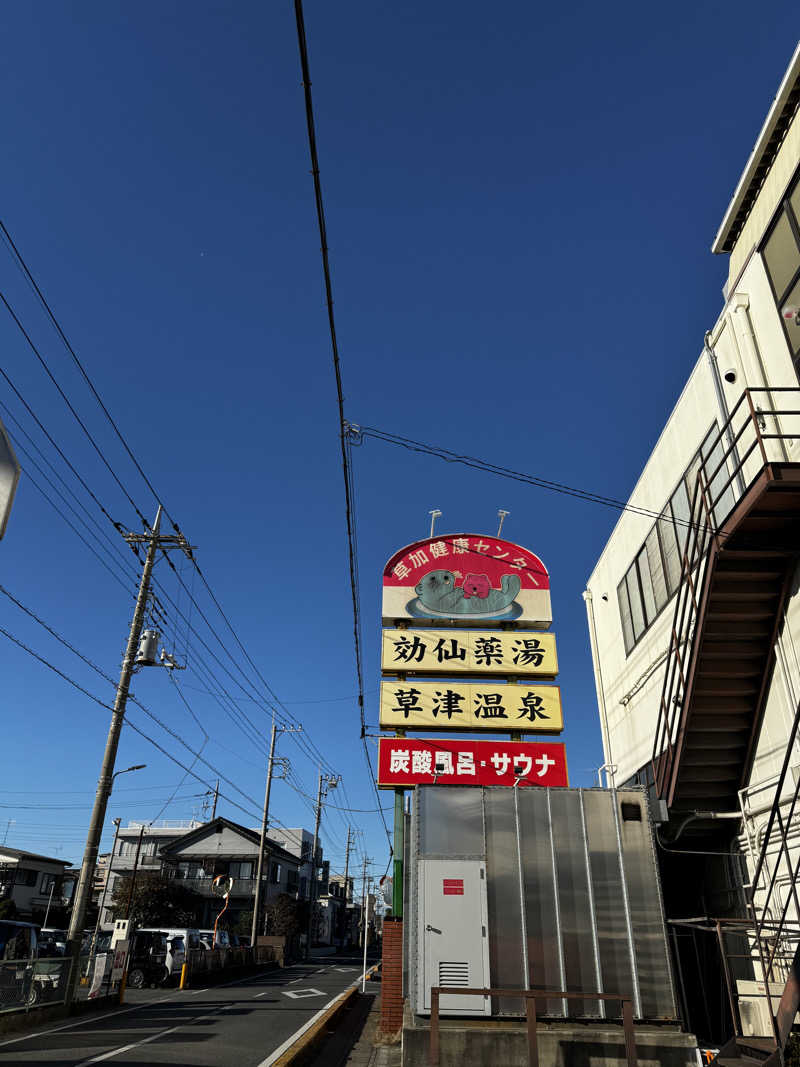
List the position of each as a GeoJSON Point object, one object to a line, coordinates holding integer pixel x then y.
{"type": "Point", "coordinates": [655, 573]}
{"type": "Point", "coordinates": [242, 869]}
{"type": "Point", "coordinates": [275, 873]}
{"type": "Point", "coordinates": [781, 254]}
{"type": "Point", "coordinates": [26, 877]}
{"type": "Point", "coordinates": [47, 883]}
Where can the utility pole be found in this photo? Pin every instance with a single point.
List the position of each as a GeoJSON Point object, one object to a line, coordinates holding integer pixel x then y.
{"type": "Point", "coordinates": [364, 919]}
{"type": "Point", "coordinates": [117, 823]}
{"type": "Point", "coordinates": [154, 540]}
{"type": "Point", "coordinates": [276, 729]}
{"type": "Point", "coordinates": [330, 782]}
{"type": "Point", "coordinates": [216, 798]}
{"type": "Point", "coordinates": [135, 869]}
{"type": "Point", "coordinates": [346, 871]}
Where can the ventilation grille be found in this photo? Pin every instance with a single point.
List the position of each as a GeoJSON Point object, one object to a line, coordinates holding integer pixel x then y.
{"type": "Point", "coordinates": [454, 974]}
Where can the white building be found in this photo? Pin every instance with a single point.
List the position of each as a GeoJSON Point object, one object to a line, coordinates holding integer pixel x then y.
{"type": "Point", "coordinates": [694, 618]}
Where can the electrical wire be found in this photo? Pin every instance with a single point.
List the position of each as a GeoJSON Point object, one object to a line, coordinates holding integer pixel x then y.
{"type": "Point", "coordinates": [77, 362]}
{"type": "Point", "coordinates": [67, 401]}
{"type": "Point", "coordinates": [359, 432]}
{"type": "Point", "coordinates": [97, 700]}
{"type": "Point", "coordinates": [343, 437]}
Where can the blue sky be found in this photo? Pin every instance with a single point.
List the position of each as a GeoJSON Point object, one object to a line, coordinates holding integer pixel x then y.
{"type": "Point", "coordinates": [520, 204]}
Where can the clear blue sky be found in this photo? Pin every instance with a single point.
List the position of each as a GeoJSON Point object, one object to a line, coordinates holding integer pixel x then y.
{"type": "Point", "coordinates": [520, 203]}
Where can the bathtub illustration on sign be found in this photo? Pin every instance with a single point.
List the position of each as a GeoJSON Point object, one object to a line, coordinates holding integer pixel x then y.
{"type": "Point", "coordinates": [467, 579]}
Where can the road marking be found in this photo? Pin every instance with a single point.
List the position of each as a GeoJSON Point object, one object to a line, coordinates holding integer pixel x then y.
{"type": "Point", "coordinates": [345, 970]}
{"type": "Point", "coordinates": [123, 1011]}
{"type": "Point", "coordinates": [153, 1037]}
{"type": "Point", "coordinates": [295, 980]}
{"type": "Point", "coordinates": [301, 994]}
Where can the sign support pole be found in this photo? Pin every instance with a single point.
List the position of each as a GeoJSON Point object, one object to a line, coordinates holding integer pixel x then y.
{"type": "Point", "coordinates": [399, 851]}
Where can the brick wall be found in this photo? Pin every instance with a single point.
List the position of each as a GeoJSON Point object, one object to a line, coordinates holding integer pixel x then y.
{"type": "Point", "coordinates": [392, 977]}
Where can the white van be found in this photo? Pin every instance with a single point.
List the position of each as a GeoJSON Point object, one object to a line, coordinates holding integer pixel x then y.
{"type": "Point", "coordinates": [223, 938]}
{"type": "Point", "coordinates": [179, 941]}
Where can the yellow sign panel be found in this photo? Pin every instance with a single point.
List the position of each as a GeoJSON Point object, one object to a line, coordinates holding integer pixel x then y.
{"type": "Point", "coordinates": [478, 706]}
{"type": "Point", "coordinates": [469, 652]}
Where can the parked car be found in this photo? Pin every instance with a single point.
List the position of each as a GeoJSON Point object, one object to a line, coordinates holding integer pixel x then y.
{"type": "Point", "coordinates": [147, 959]}
{"type": "Point", "coordinates": [178, 942]}
{"type": "Point", "coordinates": [52, 941]}
{"type": "Point", "coordinates": [223, 939]}
{"type": "Point", "coordinates": [18, 947]}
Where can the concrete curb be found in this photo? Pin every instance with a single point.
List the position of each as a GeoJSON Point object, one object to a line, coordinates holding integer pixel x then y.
{"type": "Point", "coordinates": [308, 1042]}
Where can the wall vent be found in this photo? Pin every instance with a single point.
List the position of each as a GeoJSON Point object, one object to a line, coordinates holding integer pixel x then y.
{"type": "Point", "coordinates": [453, 974]}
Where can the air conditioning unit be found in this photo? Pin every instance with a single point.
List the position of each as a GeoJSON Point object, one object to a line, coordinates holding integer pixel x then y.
{"type": "Point", "coordinates": [754, 1008]}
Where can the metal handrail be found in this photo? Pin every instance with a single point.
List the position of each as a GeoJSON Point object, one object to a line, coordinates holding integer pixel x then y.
{"type": "Point", "coordinates": [530, 996]}
{"type": "Point", "coordinates": [704, 528]}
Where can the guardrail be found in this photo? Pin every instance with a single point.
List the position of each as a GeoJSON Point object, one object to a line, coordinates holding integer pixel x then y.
{"type": "Point", "coordinates": [530, 996]}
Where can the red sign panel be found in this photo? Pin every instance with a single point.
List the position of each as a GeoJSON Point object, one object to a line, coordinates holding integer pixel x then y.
{"type": "Point", "coordinates": [453, 887]}
{"type": "Point", "coordinates": [406, 761]}
{"type": "Point", "coordinates": [464, 579]}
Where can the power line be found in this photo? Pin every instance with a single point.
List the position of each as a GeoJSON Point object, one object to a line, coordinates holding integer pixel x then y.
{"type": "Point", "coordinates": [346, 473]}
{"type": "Point", "coordinates": [138, 730]}
{"type": "Point", "coordinates": [310, 748]}
{"type": "Point", "coordinates": [77, 362]}
{"type": "Point", "coordinates": [66, 400]}
{"type": "Point", "coordinates": [356, 433]}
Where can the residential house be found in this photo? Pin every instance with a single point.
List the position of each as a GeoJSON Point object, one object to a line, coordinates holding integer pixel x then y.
{"type": "Point", "coordinates": [34, 882]}
{"type": "Point", "coordinates": [223, 847]}
{"type": "Point", "coordinates": [145, 838]}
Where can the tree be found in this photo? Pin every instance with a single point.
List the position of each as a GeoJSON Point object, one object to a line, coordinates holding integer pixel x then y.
{"type": "Point", "coordinates": [283, 915]}
{"type": "Point", "coordinates": [8, 909]}
{"type": "Point", "coordinates": [157, 901]}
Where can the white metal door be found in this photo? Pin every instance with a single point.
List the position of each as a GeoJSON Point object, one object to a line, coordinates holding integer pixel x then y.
{"type": "Point", "coordinates": [453, 942]}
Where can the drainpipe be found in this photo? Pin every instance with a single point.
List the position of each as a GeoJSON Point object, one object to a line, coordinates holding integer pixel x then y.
{"type": "Point", "coordinates": [741, 316]}
{"type": "Point", "coordinates": [724, 413]}
{"type": "Point", "coordinates": [598, 683]}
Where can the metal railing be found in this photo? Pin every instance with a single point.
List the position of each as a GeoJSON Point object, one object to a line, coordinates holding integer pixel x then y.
{"type": "Point", "coordinates": [204, 961]}
{"type": "Point", "coordinates": [777, 935]}
{"type": "Point", "coordinates": [751, 439]}
{"type": "Point", "coordinates": [530, 997]}
{"type": "Point", "coordinates": [33, 983]}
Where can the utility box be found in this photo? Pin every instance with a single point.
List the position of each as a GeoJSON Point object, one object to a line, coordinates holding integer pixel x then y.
{"type": "Point", "coordinates": [453, 943]}
{"type": "Point", "coordinates": [120, 932]}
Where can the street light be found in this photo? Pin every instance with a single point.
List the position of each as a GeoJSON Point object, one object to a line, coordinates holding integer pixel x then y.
{"type": "Point", "coordinates": [127, 770]}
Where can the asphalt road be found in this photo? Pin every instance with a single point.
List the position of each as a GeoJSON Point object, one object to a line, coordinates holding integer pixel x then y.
{"type": "Point", "coordinates": [248, 1023]}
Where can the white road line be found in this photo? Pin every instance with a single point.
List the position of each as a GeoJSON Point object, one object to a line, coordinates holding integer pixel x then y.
{"type": "Point", "coordinates": [122, 1011]}
{"type": "Point", "coordinates": [279, 1051]}
{"type": "Point", "coordinates": [153, 1037]}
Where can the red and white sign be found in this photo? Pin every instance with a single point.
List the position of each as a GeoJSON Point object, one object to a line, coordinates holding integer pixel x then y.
{"type": "Point", "coordinates": [464, 579]}
{"type": "Point", "coordinates": [407, 761]}
{"type": "Point", "coordinates": [453, 887]}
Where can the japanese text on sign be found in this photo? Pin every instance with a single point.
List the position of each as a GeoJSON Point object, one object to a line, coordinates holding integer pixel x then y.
{"type": "Point", "coordinates": [480, 706]}
{"type": "Point", "coordinates": [410, 761]}
{"type": "Point", "coordinates": [463, 651]}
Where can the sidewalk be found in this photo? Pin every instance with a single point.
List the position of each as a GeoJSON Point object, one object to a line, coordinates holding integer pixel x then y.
{"type": "Point", "coordinates": [352, 1043]}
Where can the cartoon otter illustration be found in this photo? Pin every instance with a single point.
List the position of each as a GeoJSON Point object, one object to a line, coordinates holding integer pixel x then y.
{"type": "Point", "coordinates": [438, 592]}
{"type": "Point", "coordinates": [476, 585]}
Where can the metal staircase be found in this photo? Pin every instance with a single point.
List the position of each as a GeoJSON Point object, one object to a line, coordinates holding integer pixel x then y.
{"type": "Point", "coordinates": [736, 578]}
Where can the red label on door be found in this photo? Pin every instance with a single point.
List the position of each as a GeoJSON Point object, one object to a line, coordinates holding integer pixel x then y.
{"type": "Point", "coordinates": [453, 887]}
